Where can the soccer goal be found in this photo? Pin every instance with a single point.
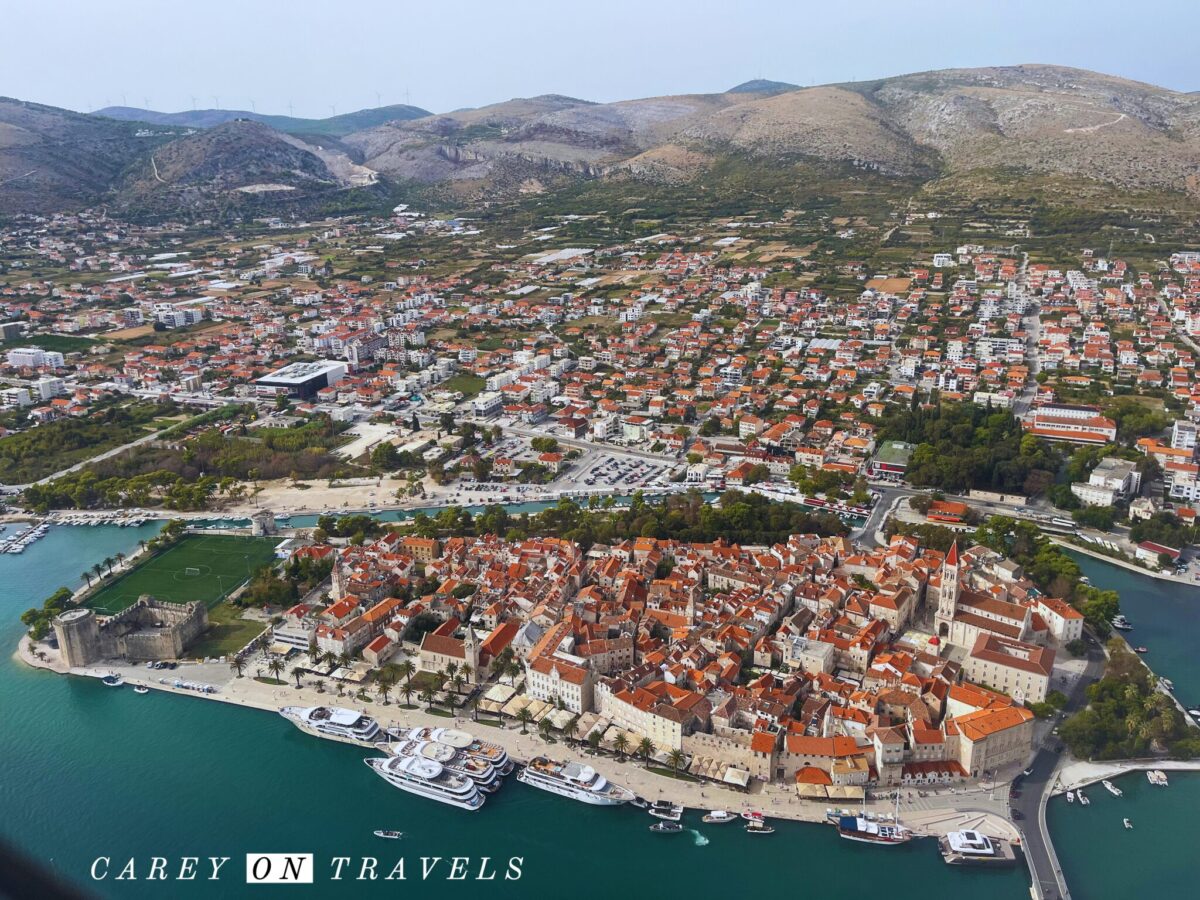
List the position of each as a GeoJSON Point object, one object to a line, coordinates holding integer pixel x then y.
{"type": "Point", "coordinates": [191, 572]}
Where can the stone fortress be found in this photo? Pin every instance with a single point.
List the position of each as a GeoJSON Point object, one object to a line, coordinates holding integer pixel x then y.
{"type": "Point", "coordinates": [148, 630]}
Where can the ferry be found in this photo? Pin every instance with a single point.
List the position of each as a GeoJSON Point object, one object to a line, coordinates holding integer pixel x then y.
{"type": "Point", "coordinates": [1111, 788]}
{"type": "Point", "coordinates": [669, 812]}
{"type": "Point", "coordinates": [426, 778]}
{"type": "Point", "coordinates": [333, 722]}
{"type": "Point", "coordinates": [482, 773]}
{"type": "Point", "coordinates": [972, 848]}
{"type": "Point", "coordinates": [1121, 623]}
{"type": "Point", "coordinates": [485, 751]}
{"type": "Point", "coordinates": [856, 828]}
{"type": "Point", "coordinates": [666, 827]}
{"type": "Point", "coordinates": [579, 782]}
{"type": "Point", "coordinates": [718, 817]}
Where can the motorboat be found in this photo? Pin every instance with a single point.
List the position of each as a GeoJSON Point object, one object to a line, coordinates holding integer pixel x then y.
{"type": "Point", "coordinates": [666, 827]}
{"type": "Point", "coordinates": [758, 826]}
{"type": "Point", "coordinates": [389, 835]}
{"type": "Point", "coordinates": [1111, 788]}
{"type": "Point", "coordinates": [141, 689]}
{"type": "Point", "coordinates": [112, 681]}
{"type": "Point", "coordinates": [973, 848]}
{"type": "Point", "coordinates": [1127, 823]}
{"type": "Point", "coordinates": [718, 817]}
{"type": "Point", "coordinates": [669, 812]}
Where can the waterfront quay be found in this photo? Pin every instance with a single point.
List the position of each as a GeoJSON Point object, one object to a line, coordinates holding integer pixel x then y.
{"type": "Point", "coordinates": [981, 807]}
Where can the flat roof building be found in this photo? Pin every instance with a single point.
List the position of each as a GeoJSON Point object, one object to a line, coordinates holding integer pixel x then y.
{"type": "Point", "coordinates": [301, 379]}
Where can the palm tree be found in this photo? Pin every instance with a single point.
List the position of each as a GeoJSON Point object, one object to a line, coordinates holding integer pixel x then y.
{"type": "Point", "coordinates": [88, 576]}
{"type": "Point", "coordinates": [676, 759]}
{"type": "Point", "coordinates": [275, 666]}
{"type": "Point", "coordinates": [314, 652]}
{"type": "Point", "coordinates": [426, 697]}
{"type": "Point", "coordinates": [142, 546]}
{"type": "Point", "coordinates": [544, 728]}
{"type": "Point", "coordinates": [524, 716]}
{"type": "Point", "coordinates": [466, 671]}
{"type": "Point", "coordinates": [621, 744]}
{"type": "Point", "coordinates": [120, 557]}
{"type": "Point", "coordinates": [407, 670]}
{"type": "Point", "coordinates": [514, 669]}
{"type": "Point", "coordinates": [645, 749]}
{"type": "Point", "coordinates": [108, 562]}
{"type": "Point", "coordinates": [344, 659]}
{"type": "Point", "coordinates": [572, 729]}
{"type": "Point", "coordinates": [237, 664]}
{"type": "Point", "coordinates": [385, 688]}
{"type": "Point", "coordinates": [296, 671]}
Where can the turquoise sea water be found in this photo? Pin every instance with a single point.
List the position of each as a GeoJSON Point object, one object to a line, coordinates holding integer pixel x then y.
{"type": "Point", "coordinates": [87, 771]}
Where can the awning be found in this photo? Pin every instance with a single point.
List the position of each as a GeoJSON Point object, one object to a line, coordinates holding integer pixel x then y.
{"type": "Point", "coordinates": [811, 791]}
{"type": "Point", "coordinates": [740, 777]}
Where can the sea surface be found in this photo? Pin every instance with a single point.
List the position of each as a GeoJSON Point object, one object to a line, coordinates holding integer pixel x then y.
{"type": "Point", "coordinates": [89, 771]}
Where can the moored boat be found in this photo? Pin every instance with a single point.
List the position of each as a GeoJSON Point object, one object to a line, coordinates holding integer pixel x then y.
{"type": "Point", "coordinates": [456, 761]}
{"type": "Point", "coordinates": [669, 812]}
{"type": "Point", "coordinates": [666, 827]}
{"type": "Point", "coordinates": [718, 817]}
{"type": "Point", "coordinates": [333, 722]}
{"type": "Point", "coordinates": [573, 780]}
{"type": "Point", "coordinates": [1111, 788]}
{"type": "Point", "coordinates": [857, 828]}
{"type": "Point", "coordinates": [758, 826]}
{"type": "Point", "coordinates": [426, 778]}
{"type": "Point", "coordinates": [141, 689]}
{"type": "Point", "coordinates": [973, 848]}
{"type": "Point", "coordinates": [112, 681]}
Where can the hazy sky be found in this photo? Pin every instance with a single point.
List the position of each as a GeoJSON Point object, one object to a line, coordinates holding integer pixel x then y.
{"type": "Point", "coordinates": [321, 56]}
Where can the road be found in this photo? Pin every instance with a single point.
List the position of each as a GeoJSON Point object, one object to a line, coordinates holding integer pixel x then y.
{"type": "Point", "coordinates": [1047, 877]}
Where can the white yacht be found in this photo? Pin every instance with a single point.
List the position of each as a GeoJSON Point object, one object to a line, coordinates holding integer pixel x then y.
{"type": "Point", "coordinates": [573, 780]}
{"type": "Point", "coordinates": [1112, 788]}
{"type": "Point", "coordinates": [334, 722]}
{"type": "Point", "coordinates": [482, 773]}
{"type": "Point", "coordinates": [485, 751]}
{"type": "Point", "coordinates": [427, 778]}
{"type": "Point", "coordinates": [973, 848]}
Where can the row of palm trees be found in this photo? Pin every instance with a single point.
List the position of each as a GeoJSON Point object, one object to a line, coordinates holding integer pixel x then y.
{"type": "Point", "coordinates": [99, 568]}
{"type": "Point", "coordinates": [621, 745]}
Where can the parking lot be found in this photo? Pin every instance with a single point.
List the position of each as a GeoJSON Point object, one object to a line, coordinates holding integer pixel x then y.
{"type": "Point", "coordinates": [626, 472]}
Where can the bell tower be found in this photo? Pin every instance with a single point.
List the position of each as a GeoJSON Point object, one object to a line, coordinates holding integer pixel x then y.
{"type": "Point", "coordinates": [948, 591]}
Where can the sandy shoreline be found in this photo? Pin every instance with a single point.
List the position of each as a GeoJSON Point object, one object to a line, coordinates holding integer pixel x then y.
{"type": "Point", "coordinates": [935, 814]}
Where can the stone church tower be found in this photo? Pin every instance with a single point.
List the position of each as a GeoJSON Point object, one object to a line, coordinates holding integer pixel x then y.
{"type": "Point", "coordinates": [948, 593]}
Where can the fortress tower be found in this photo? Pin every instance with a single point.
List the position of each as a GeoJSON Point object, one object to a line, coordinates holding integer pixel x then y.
{"type": "Point", "coordinates": [78, 635]}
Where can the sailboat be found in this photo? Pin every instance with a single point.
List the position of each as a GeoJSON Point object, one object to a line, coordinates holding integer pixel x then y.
{"type": "Point", "coordinates": [860, 828]}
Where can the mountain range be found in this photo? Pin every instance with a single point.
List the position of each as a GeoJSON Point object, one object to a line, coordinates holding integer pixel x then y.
{"type": "Point", "coordinates": [1026, 122]}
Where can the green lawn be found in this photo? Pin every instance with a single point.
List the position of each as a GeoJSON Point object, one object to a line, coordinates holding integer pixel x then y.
{"type": "Point", "coordinates": [227, 632]}
{"type": "Point", "coordinates": [470, 385]}
{"type": "Point", "coordinates": [63, 343]}
{"type": "Point", "coordinates": [222, 563]}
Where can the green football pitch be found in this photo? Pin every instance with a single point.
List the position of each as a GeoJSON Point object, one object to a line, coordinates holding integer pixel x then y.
{"type": "Point", "coordinates": [199, 567]}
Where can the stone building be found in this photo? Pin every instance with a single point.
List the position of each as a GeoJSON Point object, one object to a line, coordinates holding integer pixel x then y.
{"type": "Point", "coordinates": [148, 630]}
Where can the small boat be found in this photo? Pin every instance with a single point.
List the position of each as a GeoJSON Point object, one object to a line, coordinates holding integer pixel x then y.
{"type": "Point", "coordinates": [752, 816]}
{"type": "Point", "coordinates": [1083, 798]}
{"type": "Point", "coordinates": [1167, 684]}
{"type": "Point", "coordinates": [666, 811]}
{"type": "Point", "coordinates": [1127, 823]}
{"type": "Point", "coordinates": [141, 689]}
{"type": "Point", "coordinates": [1195, 714]}
{"type": "Point", "coordinates": [1142, 649]}
{"type": "Point", "coordinates": [666, 827]}
{"type": "Point", "coordinates": [639, 803]}
{"type": "Point", "coordinates": [758, 826]}
{"type": "Point", "coordinates": [718, 817]}
{"type": "Point", "coordinates": [1122, 624]}
{"type": "Point", "coordinates": [1111, 788]}
{"type": "Point", "coordinates": [390, 835]}
{"type": "Point", "coordinates": [112, 681]}
{"type": "Point", "coordinates": [1070, 796]}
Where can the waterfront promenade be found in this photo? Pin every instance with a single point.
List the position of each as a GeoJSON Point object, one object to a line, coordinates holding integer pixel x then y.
{"type": "Point", "coordinates": [946, 809]}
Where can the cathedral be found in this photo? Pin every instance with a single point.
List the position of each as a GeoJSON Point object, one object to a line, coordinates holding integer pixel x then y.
{"type": "Point", "coordinates": [963, 613]}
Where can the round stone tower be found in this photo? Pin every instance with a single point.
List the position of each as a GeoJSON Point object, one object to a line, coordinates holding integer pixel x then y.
{"type": "Point", "coordinates": [78, 637]}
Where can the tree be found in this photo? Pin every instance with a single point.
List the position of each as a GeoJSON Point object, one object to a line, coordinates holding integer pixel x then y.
{"type": "Point", "coordinates": [646, 749]}
{"type": "Point", "coordinates": [621, 744]}
{"type": "Point", "coordinates": [108, 563]}
{"type": "Point", "coordinates": [385, 688]}
{"type": "Point", "coordinates": [571, 731]}
{"type": "Point", "coordinates": [426, 696]}
{"type": "Point", "coordinates": [676, 759]}
{"type": "Point", "coordinates": [298, 674]}
{"type": "Point", "coordinates": [544, 728]}
{"type": "Point", "coordinates": [407, 670]}
{"type": "Point", "coordinates": [88, 576]}
{"type": "Point", "coordinates": [524, 716]}
{"type": "Point", "coordinates": [237, 664]}
{"type": "Point", "coordinates": [275, 666]}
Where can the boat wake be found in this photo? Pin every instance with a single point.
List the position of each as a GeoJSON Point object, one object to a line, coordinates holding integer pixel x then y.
{"type": "Point", "coordinates": [698, 839]}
